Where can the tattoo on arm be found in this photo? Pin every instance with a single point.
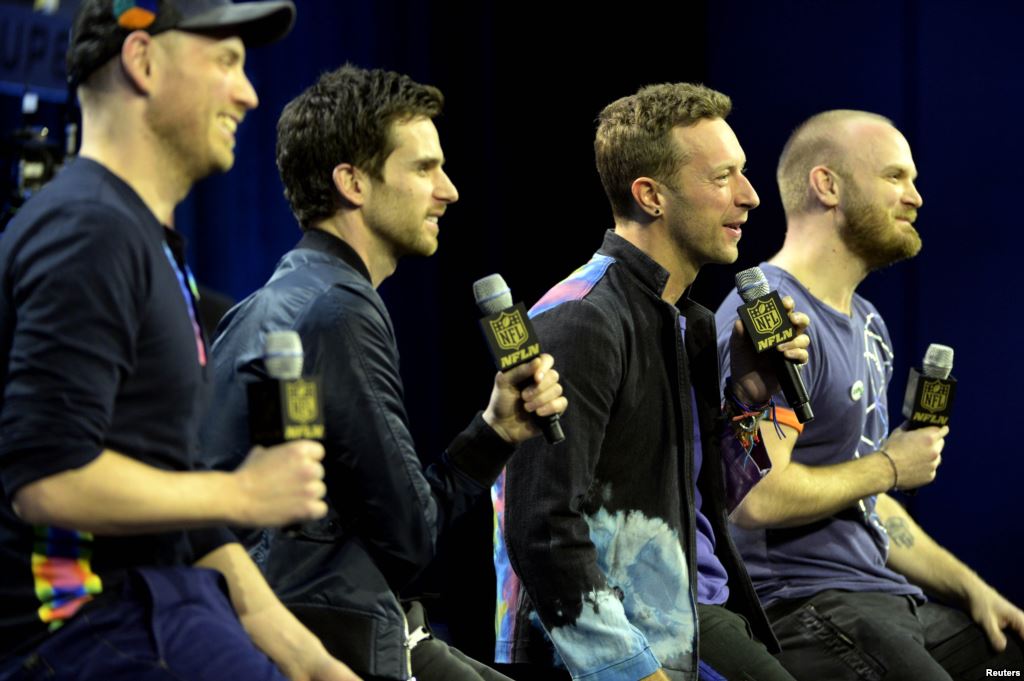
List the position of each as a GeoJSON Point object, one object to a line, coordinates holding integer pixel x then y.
{"type": "Point", "coordinates": [899, 532]}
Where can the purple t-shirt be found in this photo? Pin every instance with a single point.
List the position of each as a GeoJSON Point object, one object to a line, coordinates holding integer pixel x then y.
{"type": "Point", "coordinates": [712, 580]}
{"type": "Point", "coordinates": [847, 375]}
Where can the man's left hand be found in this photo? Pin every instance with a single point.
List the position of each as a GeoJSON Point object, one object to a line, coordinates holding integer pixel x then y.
{"type": "Point", "coordinates": [993, 613]}
{"type": "Point", "coordinates": [518, 393]}
{"type": "Point", "coordinates": [753, 373]}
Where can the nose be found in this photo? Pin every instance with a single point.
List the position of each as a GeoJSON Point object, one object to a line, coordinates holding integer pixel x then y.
{"type": "Point", "coordinates": [913, 197]}
{"type": "Point", "coordinates": [245, 93]}
{"type": "Point", "coordinates": [445, 189]}
{"type": "Point", "coordinates": [746, 197]}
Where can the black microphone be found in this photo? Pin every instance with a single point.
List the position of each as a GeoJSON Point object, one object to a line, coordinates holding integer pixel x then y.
{"type": "Point", "coordinates": [511, 338]}
{"type": "Point", "coordinates": [930, 391]}
{"type": "Point", "coordinates": [284, 406]}
{"type": "Point", "coordinates": [768, 325]}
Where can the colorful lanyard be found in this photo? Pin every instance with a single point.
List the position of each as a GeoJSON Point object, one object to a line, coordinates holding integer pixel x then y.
{"type": "Point", "coordinates": [191, 294]}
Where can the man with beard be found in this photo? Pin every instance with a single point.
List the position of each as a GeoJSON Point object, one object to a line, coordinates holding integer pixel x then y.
{"type": "Point", "coordinates": [362, 167]}
{"type": "Point", "coordinates": [115, 562]}
{"type": "Point", "coordinates": [838, 563]}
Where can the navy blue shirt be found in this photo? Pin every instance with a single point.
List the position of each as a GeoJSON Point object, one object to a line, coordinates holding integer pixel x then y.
{"type": "Point", "coordinates": [98, 350]}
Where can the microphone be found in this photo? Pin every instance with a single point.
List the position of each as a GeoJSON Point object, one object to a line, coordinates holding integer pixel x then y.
{"type": "Point", "coordinates": [285, 406]}
{"type": "Point", "coordinates": [930, 391]}
{"type": "Point", "coordinates": [511, 338]}
{"type": "Point", "coordinates": [767, 324]}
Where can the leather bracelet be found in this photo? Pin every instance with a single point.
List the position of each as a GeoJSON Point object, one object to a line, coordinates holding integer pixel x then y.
{"type": "Point", "coordinates": [895, 473]}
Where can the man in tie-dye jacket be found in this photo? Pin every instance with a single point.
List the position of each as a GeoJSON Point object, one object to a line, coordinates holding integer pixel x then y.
{"type": "Point", "coordinates": [612, 550]}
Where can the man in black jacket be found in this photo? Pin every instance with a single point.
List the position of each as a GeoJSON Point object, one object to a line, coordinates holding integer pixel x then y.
{"type": "Point", "coordinates": [615, 550]}
{"type": "Point", "coordinates": [362, 167]}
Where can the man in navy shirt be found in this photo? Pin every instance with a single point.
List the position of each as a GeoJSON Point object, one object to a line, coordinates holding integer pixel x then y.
{"type": "Point", "coordinates": [838, 563]}
{"type": "Point", "coordinates": [113, 559]}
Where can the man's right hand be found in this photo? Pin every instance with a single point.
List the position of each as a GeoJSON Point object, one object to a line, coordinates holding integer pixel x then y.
{"type": "Point", "coordinates": [282, 484]}
{"type": "Point", "coordinates": [916, 454]}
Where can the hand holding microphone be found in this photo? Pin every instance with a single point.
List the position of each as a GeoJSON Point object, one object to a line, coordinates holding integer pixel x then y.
{"type": "Point", "coordinates": [774, 329]}
{"type": "Point", "coordinates": [283, 475]}
{"type": "Point", "coordinates": [526, 388]}
{"type": "Point", "coordinates": [915, 449]}
{"type": "Point", "coordinates": [930, 391]}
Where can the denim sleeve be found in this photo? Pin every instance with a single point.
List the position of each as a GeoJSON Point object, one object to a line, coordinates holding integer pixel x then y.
{"type": "Point", "coordinates": [548, 538]}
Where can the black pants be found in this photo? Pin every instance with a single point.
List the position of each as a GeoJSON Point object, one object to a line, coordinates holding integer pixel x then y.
{"type": "Point", "coordinates": [435, 660]}
{"type": "Point", "coordinates": [848, 636]}
{"type": "Point", "coordinates": [728, 645]}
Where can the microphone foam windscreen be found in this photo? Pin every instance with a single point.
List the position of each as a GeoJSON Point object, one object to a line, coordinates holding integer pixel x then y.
{"type": "Point", "coordinates": [938, 361]}
{"type": "Point", "coordinates": [282, 355]}
{"type": "Point", "coordinates": [492, 294]}
{"type": "Point", "coordinates": [751, 284]}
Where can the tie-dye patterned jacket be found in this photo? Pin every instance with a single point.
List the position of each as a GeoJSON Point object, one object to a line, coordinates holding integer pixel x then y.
{"type": "Point", "coordinates": [595, 538]}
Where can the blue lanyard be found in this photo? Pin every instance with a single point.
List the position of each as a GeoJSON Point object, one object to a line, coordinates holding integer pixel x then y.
{"type": "Point", "coordinates": [187, 284]}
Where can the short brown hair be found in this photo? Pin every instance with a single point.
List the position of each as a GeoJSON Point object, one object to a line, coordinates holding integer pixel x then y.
{"type": "Point", "coordinates": [345, 117]}
{"type": "Point", "coordinates": [818, 141]}
{"type": "Point", "coordinates": [634, 135]}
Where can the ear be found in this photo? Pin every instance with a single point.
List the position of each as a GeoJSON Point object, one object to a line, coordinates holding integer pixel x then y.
{"type": "Point", "coordinates": [824, 186]}
{"type": "Point", "coordinates": [351, 183]}
{"type": "Point", "coordinates": [137, 60]}
{"type": "Point", "coordinates": [648, 199]}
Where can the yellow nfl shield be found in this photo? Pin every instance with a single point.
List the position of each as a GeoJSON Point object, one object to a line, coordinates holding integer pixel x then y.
{"type": "Point", "coordinates": [934, 395]}
{"type": "Point", "coordinates": [765, 316]}
{"type": "Point", "coordinates": [302, 401]}
{"type": "Point", "coordinates": [509, 330]}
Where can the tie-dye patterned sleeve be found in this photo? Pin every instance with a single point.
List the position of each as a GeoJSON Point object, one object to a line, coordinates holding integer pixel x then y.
{"type": "Point", "coordinates": [545, 542]}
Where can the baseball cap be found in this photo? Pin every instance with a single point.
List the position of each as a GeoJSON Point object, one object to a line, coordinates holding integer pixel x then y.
{"type": "Point", "coordinates": [100, 26]}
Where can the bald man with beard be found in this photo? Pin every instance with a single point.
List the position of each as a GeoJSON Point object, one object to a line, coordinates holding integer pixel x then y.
{"type": "Point", "coordinates": [840, 566]}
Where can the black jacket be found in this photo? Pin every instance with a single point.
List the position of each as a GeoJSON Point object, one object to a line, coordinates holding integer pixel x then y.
{"type": "Point", "coordinates": [340, 575]}
{"type": "Point", "coordinates": [600, 532]}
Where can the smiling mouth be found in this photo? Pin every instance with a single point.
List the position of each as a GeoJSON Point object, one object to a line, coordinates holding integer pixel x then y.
{"type": "Point", "coordinates": [228, 124]}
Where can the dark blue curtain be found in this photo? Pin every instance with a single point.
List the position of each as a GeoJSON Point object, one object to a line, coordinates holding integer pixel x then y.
{"type": "Point", "coordinates": [949, 75]}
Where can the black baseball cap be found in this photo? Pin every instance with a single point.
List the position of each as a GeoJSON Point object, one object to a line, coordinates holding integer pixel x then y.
{"type": "Point", "coordinates": [100, 26]}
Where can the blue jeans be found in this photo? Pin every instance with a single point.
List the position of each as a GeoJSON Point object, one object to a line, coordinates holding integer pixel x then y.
{"type": "Point", "coordinates": [173, 623]}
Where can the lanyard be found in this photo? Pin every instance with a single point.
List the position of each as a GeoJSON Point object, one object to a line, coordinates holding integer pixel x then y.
{"type": "Point", "coordinates": [187, 284]}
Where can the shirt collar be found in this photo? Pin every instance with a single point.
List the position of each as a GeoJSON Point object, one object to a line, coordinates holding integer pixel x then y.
{"type": "Point", "coordinates": [641, 265]}
{"type": "Point", "coordinates": [317, 240]}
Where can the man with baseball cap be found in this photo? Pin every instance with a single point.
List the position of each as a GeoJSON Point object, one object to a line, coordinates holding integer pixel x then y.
{"type": "Point", "coordinates": [114, 562]}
